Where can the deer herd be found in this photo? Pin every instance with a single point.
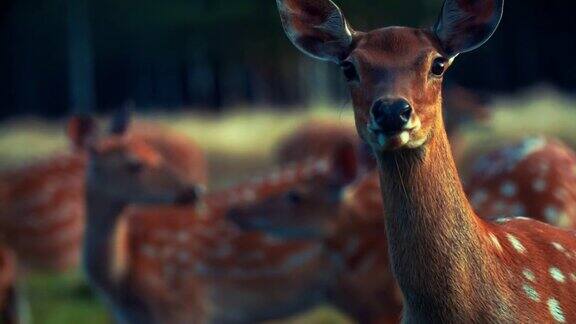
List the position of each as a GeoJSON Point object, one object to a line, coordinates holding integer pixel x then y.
{"type": "Point", "coordinates": [379, 225]}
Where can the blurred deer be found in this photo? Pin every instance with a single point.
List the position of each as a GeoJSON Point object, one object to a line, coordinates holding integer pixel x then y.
{"type": "Point", "coordinates": [535, 177]}
{"type": "Point", "coordinates": [42, 204]}
{"type": "Point", "coordinates": [121, 169]}
{"type": "Point", "coordinates": [451, 266]}
{"type": "Point", "coordinates": [190, 264]}
{"type": "Point", "coordinates": [209, 270]}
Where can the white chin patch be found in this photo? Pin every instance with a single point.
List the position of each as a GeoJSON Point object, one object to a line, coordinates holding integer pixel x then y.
{"type": "Point", "coordinates": [404, 138]}
{"type": "Point", "coordinates": [395, 141]}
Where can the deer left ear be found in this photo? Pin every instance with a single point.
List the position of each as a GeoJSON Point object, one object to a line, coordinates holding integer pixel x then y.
{"type": "Point", "coordinates": [465, 25]}
{"type": "Point", "coordinates": [316, 27]}
{"type": "Point", "coordinates": [81, 131]}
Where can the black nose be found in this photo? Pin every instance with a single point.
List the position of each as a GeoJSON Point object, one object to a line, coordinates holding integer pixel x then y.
{"type": "Point", "coordinates": [391, 115]}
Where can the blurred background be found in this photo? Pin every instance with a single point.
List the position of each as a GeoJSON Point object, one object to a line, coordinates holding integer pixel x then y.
{"type": "Point", "coordinates": [222, 72]}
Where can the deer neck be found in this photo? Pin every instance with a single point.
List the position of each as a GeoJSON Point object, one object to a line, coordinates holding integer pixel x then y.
{"type": "Point", "coordinates": [99, 249]}
{"type": "Point", "coordinates": [435, 239]}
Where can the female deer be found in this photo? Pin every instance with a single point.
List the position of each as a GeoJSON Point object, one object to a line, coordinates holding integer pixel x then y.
{"type": "Point", "coordinates": [122, 169]}
{"type": "Point", "coordinates": [42, 204]}
{"type": "Point", "coordinates": [452, 267]}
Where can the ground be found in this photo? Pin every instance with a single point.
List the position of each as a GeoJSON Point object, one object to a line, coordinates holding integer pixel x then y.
{"type": "Point", "coordinates": [239, 145]}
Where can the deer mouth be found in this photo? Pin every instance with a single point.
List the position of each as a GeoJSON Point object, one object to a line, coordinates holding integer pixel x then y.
{"type": "Point", "coordinates": [407, 137]}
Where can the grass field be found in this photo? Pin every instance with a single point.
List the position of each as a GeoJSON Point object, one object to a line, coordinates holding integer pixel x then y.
{"type": "Point", "coordinates": [239, 145]}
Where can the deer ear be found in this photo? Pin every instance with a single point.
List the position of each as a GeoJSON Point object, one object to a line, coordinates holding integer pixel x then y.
{"type": "Point", "coordinates": [316, 27]}
{"type": "Point", "coordinates": [345, 164]}
{"type": "Point", "coordinates": [121, 121]}
{"type": "Point", "coordinates": [464, 25]}
{"type": "Point", "coordinates": [81, 131]}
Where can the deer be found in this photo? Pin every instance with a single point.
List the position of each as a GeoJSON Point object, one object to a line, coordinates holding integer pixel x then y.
{"type": "Point", "coordinates": [42, 204]}
{"type": "Point", "coordinates": [364, 287]}
{"type": "Point", "coordinates": [451, 265]}
{"type": "Point", "coordinates": [182, 264]}
{"type": "Point", "coordinates": [534, 177]}
{"type": "Point", "coordinates": [121, 168]}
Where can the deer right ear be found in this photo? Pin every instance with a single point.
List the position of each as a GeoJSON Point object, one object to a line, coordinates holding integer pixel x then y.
{"type": "Point", "coordinates": [316, 27]}
{"type": "Point", "coordinates": [465, 25]}
{"type": "Point", "coordinates": [121, 121]}
{"type": "Point", "coordinates": [81, 131]}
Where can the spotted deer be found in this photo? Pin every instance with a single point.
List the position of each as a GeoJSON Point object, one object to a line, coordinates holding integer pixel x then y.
{"type": "Point", "coordinates": [451, 266]}
{"type": "Point", "coordinates": [190, 264]}
{"type": "Point", "coordinates": [122, 168]}
{"type": "Point", "coordinates": [364, 287]}
{"type": "Point", "coordinates": [42, 204]}
{"type": "Point", "coordinates": [535, 177]}
{"type": "Point", "coordinates": [213, 270]}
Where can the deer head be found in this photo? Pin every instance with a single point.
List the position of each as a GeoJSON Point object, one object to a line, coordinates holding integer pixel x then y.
{"type": "Point", "coordinates": [394, 74]}
{"type": "Point", "coordinates": [308, 208]}
{"type": "Point", "coordinates": [126, 168]}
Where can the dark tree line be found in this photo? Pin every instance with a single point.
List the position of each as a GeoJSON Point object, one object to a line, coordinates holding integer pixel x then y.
{"type": "Point", "coordinates": [76, 55]}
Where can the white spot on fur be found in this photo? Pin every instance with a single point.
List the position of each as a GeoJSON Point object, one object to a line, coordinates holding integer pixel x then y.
{"type": "Point", "coordinates": [322, 166]}
{"type": "Point", "coordinates": [479, 197]}
{"type": "Point", "coordinates": [531, 292]}
{"type": "Point", "coordinates": [529, 275]}
{"type": "Point", "coordinates": [556, 274]}
{"type": "Point", "coordinates": [556, 310]}
{"type": "Point", "coordinates": [539, 185]}
{"type": "Point", "coordinates": [495, 241]}
{"type": "Point", "coordinates": [516, 243]}
{"type": "Point", "coordinates": [508, 189]}
{"type": "Point", "coordinates": [523, 218]}
{"type": "Point", "coordinates": [551, 214]}
{"type": "Point", "coordinates": [573, 276]}
{"type": "Point", "coordinates": [544, 167]}
{"type": "Point", "coordinates": [558, 246]}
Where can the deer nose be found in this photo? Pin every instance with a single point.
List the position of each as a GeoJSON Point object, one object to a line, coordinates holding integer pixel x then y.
{"type": "Point", "coordinates": [391, 115]}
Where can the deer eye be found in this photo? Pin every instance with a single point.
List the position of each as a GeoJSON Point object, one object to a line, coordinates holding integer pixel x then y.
{"type": "Point", "coordinates": [349, 71]}
{"type": "Point", "coordinates": [438, 66]}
